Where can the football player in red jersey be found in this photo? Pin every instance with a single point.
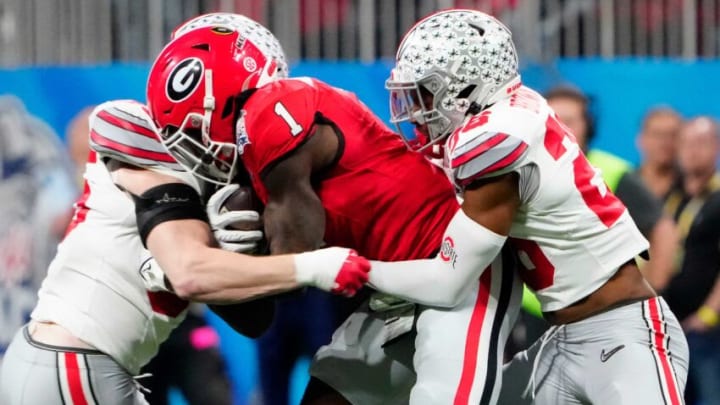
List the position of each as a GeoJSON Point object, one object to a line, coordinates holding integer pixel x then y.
{"type": "Point", "coordinates": [105, 305]}
{"type": "Point", "coordinates": [330, 172]}
{"type": "Point", "coordinates": [524, 179]}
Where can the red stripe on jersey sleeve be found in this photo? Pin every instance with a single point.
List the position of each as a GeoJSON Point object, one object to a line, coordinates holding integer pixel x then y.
{"type": "Point", "coordinates": [478, 150]}
{"type": "Point", "coordinates": [130, 150]}
{"type": "Point", "coordinates": [503, 163]}
{"type": "Point", "coordinates": [126, 125]}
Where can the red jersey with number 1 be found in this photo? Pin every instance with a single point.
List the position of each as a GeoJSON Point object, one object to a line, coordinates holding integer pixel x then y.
{"type": "Point", "coordinates": [381, 199]}
{"type": "Point", "coordinates": [570, 231]}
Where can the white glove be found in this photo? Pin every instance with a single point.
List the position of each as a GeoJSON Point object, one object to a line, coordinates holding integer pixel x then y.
{"type": "Point", "coordinates": [338, 270]}
{"type": "Point", "coordinates": [220, 220]}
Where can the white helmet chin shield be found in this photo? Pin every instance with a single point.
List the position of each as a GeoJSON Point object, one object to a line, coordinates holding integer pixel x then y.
{"type": "Point", "coordinates": [449, 63]}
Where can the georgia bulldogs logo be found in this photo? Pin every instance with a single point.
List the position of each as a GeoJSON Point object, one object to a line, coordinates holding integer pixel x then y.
{"type": "Point", "coordinates": [184, 79]}
{"type": "Point", "coordinates": [447, 251]}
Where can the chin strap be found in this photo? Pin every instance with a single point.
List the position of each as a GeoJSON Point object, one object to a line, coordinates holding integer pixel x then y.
{"type": "Point", "coordinates": [208, 106]}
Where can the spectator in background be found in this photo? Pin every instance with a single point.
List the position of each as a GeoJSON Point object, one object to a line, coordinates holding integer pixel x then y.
{"type": "Point", "coordinates": [572, 107]}
{"type": "Point", "coordinates": [694, 293]}
{"type": "Point", "coordinates": [36, 196]}
{"type": "Point", "coordinates": [190, 359]}
{"type": "Point", "coordinates": [656, 142]}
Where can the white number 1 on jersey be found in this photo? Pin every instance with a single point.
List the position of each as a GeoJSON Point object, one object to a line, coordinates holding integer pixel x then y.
{"type": "Point", "coordinates": [282, 112]}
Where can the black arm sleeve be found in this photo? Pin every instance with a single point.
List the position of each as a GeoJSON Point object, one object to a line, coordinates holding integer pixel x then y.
{"type": "Point", "coordinates": [167, 202]}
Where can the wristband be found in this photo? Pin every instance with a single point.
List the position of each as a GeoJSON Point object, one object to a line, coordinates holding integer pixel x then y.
{"type": "Point", "coordinates": [319, 268]}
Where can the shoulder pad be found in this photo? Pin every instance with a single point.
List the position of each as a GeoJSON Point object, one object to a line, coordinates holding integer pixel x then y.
{"type": "Point", "coordinates": [276, 119]}
{"type": "Point", "coordinates": [123, 130]}
{"type": "Point", "coordinates": [477, 154]}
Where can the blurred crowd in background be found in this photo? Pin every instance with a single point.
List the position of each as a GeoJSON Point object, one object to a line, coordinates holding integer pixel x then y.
{"type": "Point", "coordinates": [77, 31]}
{"type": "Point", "coordinates": [672, 192]}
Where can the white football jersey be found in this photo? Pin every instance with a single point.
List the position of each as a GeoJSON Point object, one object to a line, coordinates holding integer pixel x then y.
{"type": "Point", "coordinates": [94, 286]}
{"type": "Point", "coordinates": [571, 232]}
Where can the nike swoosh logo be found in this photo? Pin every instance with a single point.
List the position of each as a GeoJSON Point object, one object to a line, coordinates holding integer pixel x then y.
{"type": "Point", "coordinates": [605, 356]}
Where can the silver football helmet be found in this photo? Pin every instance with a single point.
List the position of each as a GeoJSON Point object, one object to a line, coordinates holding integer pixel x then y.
{"type": "Point", "coordinates": [450, 63]}
{"type": "Point", "coordinates": [248, 28]}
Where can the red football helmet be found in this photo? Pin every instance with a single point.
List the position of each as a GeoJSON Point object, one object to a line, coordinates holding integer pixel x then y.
{"type": "Point", "coordinates": [192, 89]}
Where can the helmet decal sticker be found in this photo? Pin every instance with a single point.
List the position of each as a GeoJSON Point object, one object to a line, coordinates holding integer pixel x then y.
{"type": "Point", "coordinates": [184, 79]}
{"type": "Point", "coordinates": [250, 64]}
{"type": "Point", "coordinates": [222, 30]}
{"type": "Point", "coordinates": [254, 31]}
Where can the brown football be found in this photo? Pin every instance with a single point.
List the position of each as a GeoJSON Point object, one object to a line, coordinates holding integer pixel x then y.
{"type": "Point", "coordinates": [244, 199]}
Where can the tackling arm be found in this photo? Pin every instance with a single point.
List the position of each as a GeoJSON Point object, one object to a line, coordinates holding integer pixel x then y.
{"type": "Point", "coordinates": [200, 271]}
{"type": "Point", "coordinates": [471, 242]}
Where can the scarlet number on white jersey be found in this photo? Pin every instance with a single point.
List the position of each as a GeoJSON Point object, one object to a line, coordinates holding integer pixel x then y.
{"type": "Point", "coordinates": [282, 112]}
{"type": "Point", "coordinates": [539, 271]}
{"type": "Point", "coordinates": [587, 179]}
